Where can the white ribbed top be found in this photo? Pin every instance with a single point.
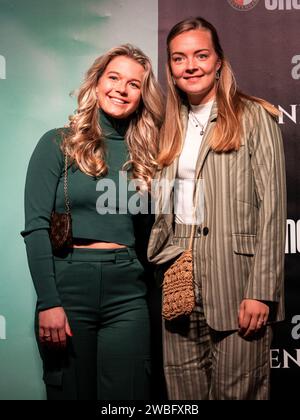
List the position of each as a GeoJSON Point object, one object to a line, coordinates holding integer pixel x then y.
{"type": "Point", "coordinates": [187, 164]}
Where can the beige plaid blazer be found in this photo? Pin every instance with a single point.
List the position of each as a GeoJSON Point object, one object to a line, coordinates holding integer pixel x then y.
{"type": "Point", "coordinates": [242, 255]}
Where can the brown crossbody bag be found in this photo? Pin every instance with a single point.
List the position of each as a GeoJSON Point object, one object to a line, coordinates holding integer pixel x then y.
{"type": "Point", "coordinates": [178, 295]}
{"type": "Point", "coordinates": [60, 231]}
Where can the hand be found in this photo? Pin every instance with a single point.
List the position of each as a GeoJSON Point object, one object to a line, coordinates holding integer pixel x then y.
{"type": "Point", "coordinates": [253, 315]}
{"type": "Point", "coordinates": [54, 326]}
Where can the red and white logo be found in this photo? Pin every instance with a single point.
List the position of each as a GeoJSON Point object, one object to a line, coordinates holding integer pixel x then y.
{"type": "Point", "coordinates": [243, 5]}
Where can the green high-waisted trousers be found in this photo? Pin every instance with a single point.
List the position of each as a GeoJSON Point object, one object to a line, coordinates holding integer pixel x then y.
{"type": "Point", "coordinates": [108, 357]}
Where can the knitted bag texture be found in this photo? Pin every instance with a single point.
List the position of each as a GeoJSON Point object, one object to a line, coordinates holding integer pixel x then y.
{"type": "Point", "coordinates": [178, 288]}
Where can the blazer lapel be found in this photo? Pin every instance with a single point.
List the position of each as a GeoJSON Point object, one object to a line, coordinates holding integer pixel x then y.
{"type": "Point", "coordinates": [206, 141]}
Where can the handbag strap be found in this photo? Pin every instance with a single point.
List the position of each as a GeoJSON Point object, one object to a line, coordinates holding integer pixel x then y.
{"type": "Point", "coordinates": [191, 241]}
{"type": "Point", "coordinates": [67, 202]}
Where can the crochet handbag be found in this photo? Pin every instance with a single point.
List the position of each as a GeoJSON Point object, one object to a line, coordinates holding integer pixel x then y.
{"type": "Point", "coordinates": [178, 296]}
{"type": "Point", "coordinates": [60, 232]}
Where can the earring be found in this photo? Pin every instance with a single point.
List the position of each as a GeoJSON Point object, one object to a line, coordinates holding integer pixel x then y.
{"type": "Point", "coordinates": [217, 75]}
{"type": "Point", "coordinates": [174, 81]}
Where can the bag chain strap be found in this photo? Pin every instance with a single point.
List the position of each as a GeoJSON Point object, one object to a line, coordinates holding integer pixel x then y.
{"type": "Point", "coordinates": [67, 202]}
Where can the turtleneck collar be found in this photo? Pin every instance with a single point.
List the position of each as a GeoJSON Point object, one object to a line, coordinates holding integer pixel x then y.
{"type": "Point", "coordinates": [113, 128]}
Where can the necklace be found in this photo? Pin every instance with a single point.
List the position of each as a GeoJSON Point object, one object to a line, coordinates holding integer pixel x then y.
{"type": "Point", "coordinates": [198, 123]}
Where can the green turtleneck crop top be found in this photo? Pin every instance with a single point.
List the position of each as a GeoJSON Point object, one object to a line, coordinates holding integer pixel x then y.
{"type": "Point", "coordinates": [89, 199]}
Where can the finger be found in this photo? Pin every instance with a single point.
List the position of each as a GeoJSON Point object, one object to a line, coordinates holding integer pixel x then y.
{"type": "Point", "coordinates": [45, 335]}
{"type": "Point", "coordinates": [54, 336]}
{"type": "Point", "coordinates": [260, 323]}
{"type": "Point", "coordinates": [244, 325]}
{"type": "Point", "coordinates": [68, 329]}
{"type": "Point", "coordinates": [62, 337]}
{"type": "Point", "coordinates": [266, 317]}
{"type": "Point", "coordinates": [241, 315]}
{"type": "Point", "coordinates": [251, 328]}
{"type": "Point", "coordinates": [41, 333]}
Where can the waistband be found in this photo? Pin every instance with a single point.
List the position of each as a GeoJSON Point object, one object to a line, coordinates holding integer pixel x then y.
{"type": "Point", "coordinates": [95, 255]}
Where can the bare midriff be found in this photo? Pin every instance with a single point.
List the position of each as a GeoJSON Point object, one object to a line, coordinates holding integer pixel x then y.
{"type": "Point", "coordinates": [84, 243]}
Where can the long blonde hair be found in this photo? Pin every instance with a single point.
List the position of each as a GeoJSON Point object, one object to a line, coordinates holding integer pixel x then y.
{"type": "Point", "coordinates": [230, 101]}
{"type": "Point", "coordinates": [85, 143]}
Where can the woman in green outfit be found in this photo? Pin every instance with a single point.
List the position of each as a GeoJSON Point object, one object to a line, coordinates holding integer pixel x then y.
{"type": "Point", "coordinates": [92, 317]}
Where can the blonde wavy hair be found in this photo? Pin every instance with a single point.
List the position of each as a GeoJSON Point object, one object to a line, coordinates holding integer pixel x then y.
{"type": "Point", "coordinates": [230, 101]}
{"type": "Point", "coordinates": [85, 143]}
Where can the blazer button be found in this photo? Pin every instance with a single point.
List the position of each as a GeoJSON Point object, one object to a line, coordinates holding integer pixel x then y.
{"type": "Point", "coordinates": [205, 231]}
